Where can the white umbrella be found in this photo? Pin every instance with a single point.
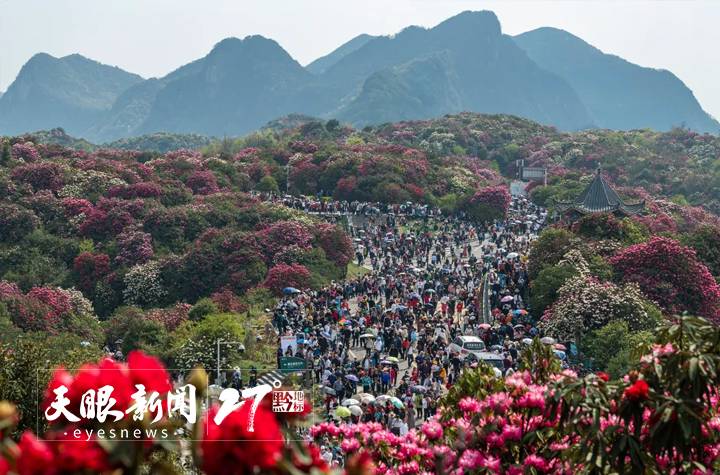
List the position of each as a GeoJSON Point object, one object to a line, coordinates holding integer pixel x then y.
{"type": "Point", "coordinates": [512, 255]}
{"type": "Point", "coordinates": [350, 402]}
{"type": "Point", "coordinates": [368, 399]}
{"type": "Point", "coordinates": [356, 410]}
{"type": "Point", "coordinates": [367, 336]}
{"type": "Point", "coordinates": [383, 398]}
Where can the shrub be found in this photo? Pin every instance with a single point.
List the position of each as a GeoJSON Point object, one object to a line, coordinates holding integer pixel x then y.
{"type": "Point", "coordinates": [284, 275]}
{"type": "Point", "coordinates": [90, 268]}
{"type": "Point", "coordinates": [143, 286]}
{"type": "Point", "coordinates": [135, 247]}
{"type": "Point", "coordinates": [705, 240]}
{"type": "Point", "coordinates": [203, 307]}
{"type": "Point", "coordinates": [16, 222]}
{"type": "Point", "coordinates": [671, 275]}
{"type": "Point", "coordinates": [268, 184]}
{"type": "Point", "coordinates": [227, 302]}
{"type": "Point", "coordinates": [584, 304]}
{"type": "Point", "coordinates": [26, 152]}
{"type": "Point", "coordinates": [42, 175]}
{"type": "Point", "coordinates": [490, 203]}
{"type": "Point", "coordinates": [203, 183]}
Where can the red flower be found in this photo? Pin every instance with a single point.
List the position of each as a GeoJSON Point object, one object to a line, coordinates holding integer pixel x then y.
{"type": "Point", "coordinates": [78, 455]}
{"type": "Point", "coordinates": [638, 391]}
{"type": "Point", "coordinates": [603, 376]}
{"type": "Point", "coordinates": [36, 458]}
{"type": "Point", "coordinates": [149, 372]}
{"type": "Point", "coordinates": [230, 448]}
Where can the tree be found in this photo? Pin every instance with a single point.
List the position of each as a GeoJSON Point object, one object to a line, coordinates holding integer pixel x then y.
{"type": "Point", "coordinates": [332, 124]}
{"type": "Point", "coordinates": [144, 334]}
{"type": "Point", "coordinates": [268, 184]}
{"type": "Point", "coordinates": [546, 285]}
{"type": "Point", "coordinates": [6, 153]}
{"type": "Point", "coordinates": [550, 247]}
{"type": "Point", "coordinates": [612, 346]}
{"type": "Point", "coordinates": [705, 240]}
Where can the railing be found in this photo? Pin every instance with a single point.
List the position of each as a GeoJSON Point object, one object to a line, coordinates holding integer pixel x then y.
{"type": "Point", "coordinates": [486, 300]}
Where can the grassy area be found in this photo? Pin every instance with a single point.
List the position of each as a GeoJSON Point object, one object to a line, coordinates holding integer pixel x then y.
{"type": "Point", "coordinates": [353, 271]}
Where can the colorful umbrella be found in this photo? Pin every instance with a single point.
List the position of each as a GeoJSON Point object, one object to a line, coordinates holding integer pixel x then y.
{"type": "Point", "coordinates": [397, 402]}
{"type": "Point", "coordinates": [342, 412]}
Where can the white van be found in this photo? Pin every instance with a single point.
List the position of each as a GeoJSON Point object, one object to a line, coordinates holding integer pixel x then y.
{"type": "Point", "coordinates": [466, 345]}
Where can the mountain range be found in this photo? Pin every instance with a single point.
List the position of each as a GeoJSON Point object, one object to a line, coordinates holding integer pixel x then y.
{"type": "Point", "coordinates": [465, 63]}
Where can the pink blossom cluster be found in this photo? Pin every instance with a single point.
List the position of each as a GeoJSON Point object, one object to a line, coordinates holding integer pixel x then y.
{"type": "Point", "coordinates": [135, 247]}
{"type": "Point", "coordinates": [496, 197]}
{"type": "Point", "coordinates": [287, 275]}
{"type": "Point", "coordinates": [172, 317]}
{"type": "Point", "coordinates": [26, 152]}
{"type": "Point", "coordinates": [670, 275]}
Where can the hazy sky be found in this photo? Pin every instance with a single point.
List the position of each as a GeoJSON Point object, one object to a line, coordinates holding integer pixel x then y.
{"type": "Point", "coordinates": [154, 37]}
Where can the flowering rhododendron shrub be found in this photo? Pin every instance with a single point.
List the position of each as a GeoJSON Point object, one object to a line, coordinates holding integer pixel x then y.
{"type": "Point", "coordinates": [584, 304]}
{"type": "Point", "coordinates": [16, 222]}
{"type": "Point", "coordinates": [220, 260]}
{"type": "Point", "coordinates": [282, 234]}
{"type": "Point", "coordinates": [335, 242]}
{"type": "Point", "coordinates": [345, 188]}
{"type": "Point", "coordinates": [670, 274]}
{"type": "Point", "coordinates": [287, 275]}
{"type": "Point", "coordinates": [143, 285]}
{"type": "Point", "coordinates": [304, 176]}
{"type": "Point", "coordinates": [42, 176]}
{"type": "Point", "coordinates": [227, 302]}
{"type": "Point", "coordinates": [55, 298]}
{"type": "Point", "coordinates": [203, 183]}
{"type": "Point", "coordinates": [90, 269]}
{"type": "Point", "coordinates": [490, 202]}
{"type": "Point", "coordinates": [137, 190]}
{"type": "Point", "coordinates": [26, 152]}
{"type": "Point", "coordinates": [135, 247]}
{"type": "Point", "coordinates": [30, 314]}
{"type": "Point", "coordinates": [172, 317]}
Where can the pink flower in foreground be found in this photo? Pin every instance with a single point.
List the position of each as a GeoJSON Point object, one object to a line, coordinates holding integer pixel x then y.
{"type": "Point", "coordinates": [432, 429]}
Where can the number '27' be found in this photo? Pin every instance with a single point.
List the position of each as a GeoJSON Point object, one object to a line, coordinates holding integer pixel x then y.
{"type": "Point", "coordinates": [230, 397]}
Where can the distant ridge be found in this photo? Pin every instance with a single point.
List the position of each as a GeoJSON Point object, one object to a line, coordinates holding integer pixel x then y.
{"type": "Point", "coordinates": [464, 63]}
{"type": "Point", "coordinates": [320, 65]}
{"type": "Point", "coordinates": [617, 93]}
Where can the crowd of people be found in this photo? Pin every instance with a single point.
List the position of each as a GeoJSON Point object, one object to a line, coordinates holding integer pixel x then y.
{"type": "Point", "coordinates": [379, 345]}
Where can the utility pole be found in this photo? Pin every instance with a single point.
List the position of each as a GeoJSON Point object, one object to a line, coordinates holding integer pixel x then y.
{"type": "Point", "coordinates": [287, 178]}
